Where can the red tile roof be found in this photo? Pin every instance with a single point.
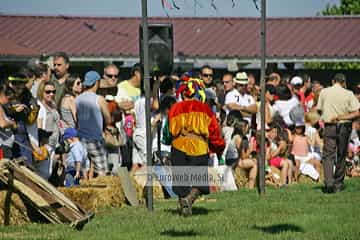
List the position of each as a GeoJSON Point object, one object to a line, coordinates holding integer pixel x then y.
{"type": "Point", "coordinates": [317, 37]}
{"type": "Point", "coordinates": [10, 48]}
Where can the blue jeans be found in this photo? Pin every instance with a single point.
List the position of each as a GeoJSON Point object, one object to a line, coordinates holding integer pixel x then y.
{"type": "Point", "coordinates": [69, 178]}
{"type": "Point", "coordinates": [161, 170]}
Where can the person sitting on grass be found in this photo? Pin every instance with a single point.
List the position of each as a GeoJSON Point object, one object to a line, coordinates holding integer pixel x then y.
{"type": "Point", "coordinates": [227, 130]}
{"type": "Point", "coordinates": [311, 132]}
{"type": "Point", "coordinates": [352, 160]}
{"type": "Point", "coordinates": [274, 151]}
{"type": "Point", "coordinates": [239, 151]}
{"type": "Point", "coordinates": [304, 162]}
{"type": "Point", "coordinates": [77, 158]}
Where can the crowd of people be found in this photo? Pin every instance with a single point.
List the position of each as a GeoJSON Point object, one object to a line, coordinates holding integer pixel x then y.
{"type": "Point", "coordinates": [91, 125]}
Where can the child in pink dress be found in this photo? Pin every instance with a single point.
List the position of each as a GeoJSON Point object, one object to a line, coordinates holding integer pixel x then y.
{"type": "Point", "coordinates": [300, 150]}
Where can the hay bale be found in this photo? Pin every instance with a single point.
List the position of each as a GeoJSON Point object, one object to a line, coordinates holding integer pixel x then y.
{"type": "Point", "coordinates": [140, 179]}
{"type": "Point", "coordinates": [273, 178]}
{"type": "Point", "coordinates": [18, 211]}
{"type": "Point", "coordinates": [107, 191]}
{"type": "Point", "coordinates": [302, 178]}
{"type": "Point", "coordinates": [97, 192]}
{"type": "Point", "coordinates": [308, 180]}
{"type": "Point", "coordinates": [215, 183]}
{"type": "Point", "coordinates": [241, 177]}
{"type": "Point", "coordinates": [305, 179]}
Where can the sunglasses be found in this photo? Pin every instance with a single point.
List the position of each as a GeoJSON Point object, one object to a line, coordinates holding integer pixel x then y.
{"type": "Point", "coordinates": [111, 75]}
{"type": "Point", "coordinates": [50, 91]}
{"type": "Point", "coordinates": [207, 75]}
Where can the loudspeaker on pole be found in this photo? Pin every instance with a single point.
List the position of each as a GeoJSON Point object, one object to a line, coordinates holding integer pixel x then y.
{"type": "Point", "coordinates": [161, 48]}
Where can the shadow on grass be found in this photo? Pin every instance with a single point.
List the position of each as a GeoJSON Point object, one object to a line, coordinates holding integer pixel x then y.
{"type": "Point", "coordinates": [195, 211]}
{"type": "Point", "coordinates": [278, 228]}
{"type": "Point", "coordinates": [176, 233]}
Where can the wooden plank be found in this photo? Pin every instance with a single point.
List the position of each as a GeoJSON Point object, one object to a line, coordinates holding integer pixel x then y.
{"type": "Point", "coordinates": [8, 199]}
{"type": "Point", "coordinates": [44, 197]}
{"type": "Point", "coordinates": [32, 198]}
{"type": "Point", "coordinates": [45, 185]}
{"type": "Point", "coordinates": [61, 209]}
{"type": "Point", "coordinates": [30, 193]}
{"type": "Point", "coordinates": [79, 223]}
{"type": "Point", "coordinates": [128, 186]}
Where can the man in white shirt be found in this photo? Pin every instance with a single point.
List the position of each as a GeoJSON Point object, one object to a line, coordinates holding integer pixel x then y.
{"type": "Point", "coordinates": [238, 99]}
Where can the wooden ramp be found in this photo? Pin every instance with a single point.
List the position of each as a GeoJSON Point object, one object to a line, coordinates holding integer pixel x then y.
{"type": "Point", "coordinates": [41, 195]}
{"type": "Point", "coordinates": [128, 186]}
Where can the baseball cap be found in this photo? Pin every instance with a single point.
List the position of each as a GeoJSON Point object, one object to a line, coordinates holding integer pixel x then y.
{"type": "Point", "coordinates": [241, 78]}
{"type": "Point", "coordinates": [69, 133]}
{"type": "Point", "coordinates": [90, 78]}
{"type": "Point", "coordinates": [340, 77]}
{"type": "Point", "coordinates": [296, 81]}
{"type": "Point", "coordinates": [299, 123]}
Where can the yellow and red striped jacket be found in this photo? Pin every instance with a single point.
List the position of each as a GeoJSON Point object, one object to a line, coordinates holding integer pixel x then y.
{"type": "Point", "coordinates": [194, 128]}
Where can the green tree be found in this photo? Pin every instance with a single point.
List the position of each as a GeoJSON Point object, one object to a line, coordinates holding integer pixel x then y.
{"type": "Point", "coordinates": [346, 7]}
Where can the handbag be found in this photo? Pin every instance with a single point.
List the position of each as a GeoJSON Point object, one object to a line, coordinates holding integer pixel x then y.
{"type": "Point", "coordinates": [33, 113]}
{"type": "Point", "coordinates": [41, 156]}
{"type": "Point", "coordinates": [111, 138]}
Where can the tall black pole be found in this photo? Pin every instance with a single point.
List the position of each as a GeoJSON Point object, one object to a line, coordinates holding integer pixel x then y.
{"type": "Point", "coordinates": [261, 162]}
{"type": "Point", "coordinates": [145, 47]}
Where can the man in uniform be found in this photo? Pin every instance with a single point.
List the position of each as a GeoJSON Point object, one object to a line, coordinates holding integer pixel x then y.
{"type": "Point", "coordinates": [338, 107]}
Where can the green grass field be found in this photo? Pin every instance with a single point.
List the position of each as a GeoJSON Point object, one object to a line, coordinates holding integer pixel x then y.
{"type": "Point", "coordinates": [295, 212]}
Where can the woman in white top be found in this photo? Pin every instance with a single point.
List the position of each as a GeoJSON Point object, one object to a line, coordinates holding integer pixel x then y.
{"type": "Point", "coordinates": [48, 120]}
{"type": "Point", "coordinates": [285, 104]}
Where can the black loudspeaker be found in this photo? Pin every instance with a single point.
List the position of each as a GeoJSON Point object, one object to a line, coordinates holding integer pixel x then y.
{"type": "Point", "coordinates": [161, 48]}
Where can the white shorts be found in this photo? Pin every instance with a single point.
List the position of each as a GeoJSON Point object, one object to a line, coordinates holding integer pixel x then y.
{"type": "Point", "coordinates": [303, 159]}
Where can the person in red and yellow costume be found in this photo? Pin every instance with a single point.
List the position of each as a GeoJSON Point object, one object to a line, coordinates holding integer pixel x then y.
{"type": "Point", "coordinates": [194, 132]}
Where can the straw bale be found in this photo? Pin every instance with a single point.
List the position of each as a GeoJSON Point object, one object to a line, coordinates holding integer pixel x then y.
{"type": "Point", "coordinates": [302, 178]}
{"type": "Point", "coordinates": [241, 177]}
{"type": "Point", "coordinates": [97, 192]}
{"type": "Point", "coordinates": [273, 178]}
{"type": "Point", "coordinates": [214, 180]}
{"type": "Point", "coordinates": [140, 179]}
{"type": "Point", "coordinates": [107, 191]}
{"type": "Point", "coordinates": [305, 179]}
{"type": "Point", "coordinates": [18, 211]}
{"type": "Point", "coordinates": [308, 180]}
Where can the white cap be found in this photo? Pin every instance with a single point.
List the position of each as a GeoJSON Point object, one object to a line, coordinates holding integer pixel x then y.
{"type": "Point", "coordinates": [241, 78]}
{"type": "Point", "coordinates": [296, 81]}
